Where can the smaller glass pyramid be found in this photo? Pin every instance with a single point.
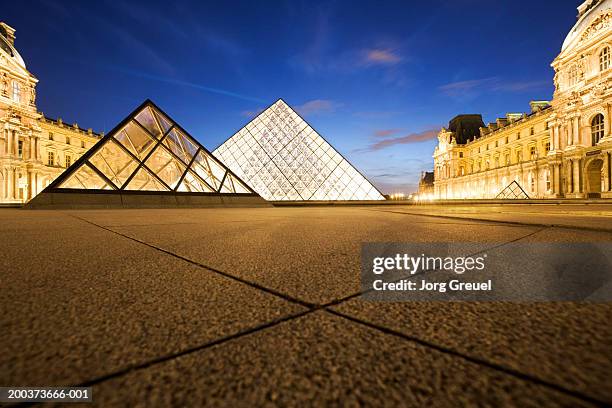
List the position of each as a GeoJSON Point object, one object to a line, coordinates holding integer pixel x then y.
{"type": "Point", "coordinates": [148, 151]}
{"type": "Point", "coordinates": [513, 192]}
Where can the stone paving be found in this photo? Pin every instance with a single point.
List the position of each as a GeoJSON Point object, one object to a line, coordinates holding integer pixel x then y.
{"type": "Point", "coordinates": [256, 306]}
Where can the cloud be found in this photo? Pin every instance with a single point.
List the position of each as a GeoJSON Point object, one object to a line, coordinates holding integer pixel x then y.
{"type": "Point", "coordinates": [251, 113]}
{"type": "Point", "coordinates": [381, 57]}
{"type": "Point", "coordinates": [423, 136]}
{"type": "Point", "coordinates": [386, 132]}
{"type": "Point", "coordinates": [317, 106]}
{"type": "Point", "coordinates": [473, 86]}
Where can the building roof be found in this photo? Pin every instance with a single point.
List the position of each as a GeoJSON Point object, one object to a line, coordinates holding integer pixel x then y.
{"type": "Point", "coordinates": [466, 127]}
{"type": "Point", "coordinates": [587, 12]}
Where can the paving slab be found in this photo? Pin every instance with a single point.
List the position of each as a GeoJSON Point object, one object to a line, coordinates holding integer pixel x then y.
{"type": "Point", "coordinates": [80, 303]}
{"type": "Point", "coordinates": [323, 360]}
{"type": "Point", "coordinates": [562, 342]}
{"type": "Point", "coordinates": [310, 254]}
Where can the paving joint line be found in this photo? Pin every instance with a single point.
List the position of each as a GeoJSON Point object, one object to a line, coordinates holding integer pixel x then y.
{"type": "Point", "coordinates": [209, 268]}
{"type": "Point", "coordinates": [311, 308]}
{"type": "Point", "coordinates": [506, 370]}
{"type": "Point", "coordinates": [363, 292]}
{"type": "Point", "coordinates": [517, 223]}
{"type": "Point", "coordinates": [171, 356]}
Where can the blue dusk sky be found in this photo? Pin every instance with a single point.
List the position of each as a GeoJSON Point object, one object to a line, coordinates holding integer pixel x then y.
{"type": "Point", "coordinates": [377, 79]}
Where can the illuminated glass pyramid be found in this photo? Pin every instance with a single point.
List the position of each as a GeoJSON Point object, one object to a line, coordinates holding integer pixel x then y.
{"type": "Point", "coordinates": [281, 157]}
{"type": "Point", "coordinates": [148, 151]}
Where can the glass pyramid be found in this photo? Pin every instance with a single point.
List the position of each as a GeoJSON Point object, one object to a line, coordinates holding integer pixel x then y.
{"type": "Point", "coordinates": [148, 151]}
{"type": "Point", "coordinates": [513, 192]}
{"type": "Point", "coordinates": [281, 157]}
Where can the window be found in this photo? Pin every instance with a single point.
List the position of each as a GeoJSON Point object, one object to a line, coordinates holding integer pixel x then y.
{"type": "Point", "coordinates": [533, 153]}
{"type": "Point", "coordinates": [506, 140]}
{"type": "Point", "coordinates": [67, 139]}
{"type": "Point", "coordinates": [518, 135]}
{"type": "Point", "coordinates": [462, 171]}
{"type": "Point", "coordinates": [507, 159]}
{"type": "Point", "coordinates": [547, 147]}
{"type": "Point", "coordinates": [50, 135]}
{"type": "Point", "coordinates": [496, 143]}
{"type": "Point", "coordinates": [597, 128]}
{"type": "Point", "coordinates": [497, 162]}
{"type": "Point", "coordinates": [20, 148]}
{"type": "Point", "coordinates": [16, 91]}
{"type": "Point", "coordinates": [547, 177]}
{"type": "Point", "coordinates": [604, 59]}
{"type": "Point", "coordinates": [572, 75]}
{"type": "Point", "coordinates": [531, 131]}
{"type": "Point", "coordinates": [532, 182]}
{"type": "Point", "coordinates": [50, 159]}
{"type": "Point", "coordinates": [519, 156]}
{"type": "Point", "coordinates": [82, 144]}
{"type": "Point", "coordinates": [68, 161]}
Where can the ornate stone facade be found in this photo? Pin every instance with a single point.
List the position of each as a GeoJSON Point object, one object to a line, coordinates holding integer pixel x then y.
{"type": "Point", "coordinates": [34, 149]}
{"type": "Point", "coordinates": [561, 149]}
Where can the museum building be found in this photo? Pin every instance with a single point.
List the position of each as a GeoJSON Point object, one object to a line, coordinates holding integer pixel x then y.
{"type": "Point", "coordinates": [561, 149]}
{"type": "Point", "coordinates": [34, 149]}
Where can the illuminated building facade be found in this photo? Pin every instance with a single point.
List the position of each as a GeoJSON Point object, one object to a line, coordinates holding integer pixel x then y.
{"type": "Point", "coordinates": [282, 158]}
{"type": "Point", "coordinates": [562, 148]}
{"type": "Point", "coordinates": [34, 149]}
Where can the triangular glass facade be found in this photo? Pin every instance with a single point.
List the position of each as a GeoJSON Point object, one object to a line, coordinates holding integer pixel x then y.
{"type": "Point", "coordinates": [513, 192]}
{"type": "Point", "coordinates": [148, 151]}
{"type": "Point", "coordinates": [281, 157]}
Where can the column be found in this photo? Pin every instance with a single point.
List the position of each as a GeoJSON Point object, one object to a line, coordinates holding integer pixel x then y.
{"type": "Point", "coordinates": [9, 183]}
{"type": "Point", "coordinates": [9, 142]}
{"type": "Point", "coordinates": [570, 177]}
{"type": "Point", "coordinates": [576, 176]}
{"type": "Point", "coordinates": [577, 136]}
{"type": "Point", "coordinates": [31, 155]}
{"type": "Point", "coordinates": [29, 190]}
{"type": "Point", "coordinates": [15, 141]}
{"type": "Point", "coordinates": [15, 189]}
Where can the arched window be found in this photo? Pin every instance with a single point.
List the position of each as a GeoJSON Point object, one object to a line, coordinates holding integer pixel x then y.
{"type": "Point", "coordinates": [604, 59]}
{"type": "Point", "coordinates": [597, 128]}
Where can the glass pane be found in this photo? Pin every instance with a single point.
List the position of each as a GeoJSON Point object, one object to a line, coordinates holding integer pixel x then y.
{"type": "Point", "coordinates": [239, 187]}
{"type": "Point", "coordinates": [114, 162]}
{"type": "Point", "coordinates": [208, 169]}
{"type": "Point", "coordinates": [227, 185]}
{"type": "Point", "coordinates": [193, 183]}
{"type": "Point", "coordinates": [165, 166]}
{"type": "Point", "coordinates": [135, 140]}
{"type": "Point", "coordinates": [146, 119]}
{"type": "Point", "coordinates": [163, 120]}
{"type": "Point", "coordinates": [180, 145]}
{"type": "Point", "coordinates": [145, 181]}
{"type": "Point", "coordinates": [85, 178]}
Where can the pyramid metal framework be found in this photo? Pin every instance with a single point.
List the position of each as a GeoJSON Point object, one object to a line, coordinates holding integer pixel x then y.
{"type": "Point", "coordinates": [513, 192]}
{"type": "Point", "coordinates": [282, 157]}
{"type": "Point", "coordinates": [148, 151]}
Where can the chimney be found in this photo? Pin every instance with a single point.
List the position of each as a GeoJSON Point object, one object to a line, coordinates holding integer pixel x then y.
{"type": "Point", "coordinates": [537, 106]}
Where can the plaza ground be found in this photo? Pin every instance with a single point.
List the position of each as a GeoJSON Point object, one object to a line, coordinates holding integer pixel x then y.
{"type": "Point", "coordinates": [249, 306]}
